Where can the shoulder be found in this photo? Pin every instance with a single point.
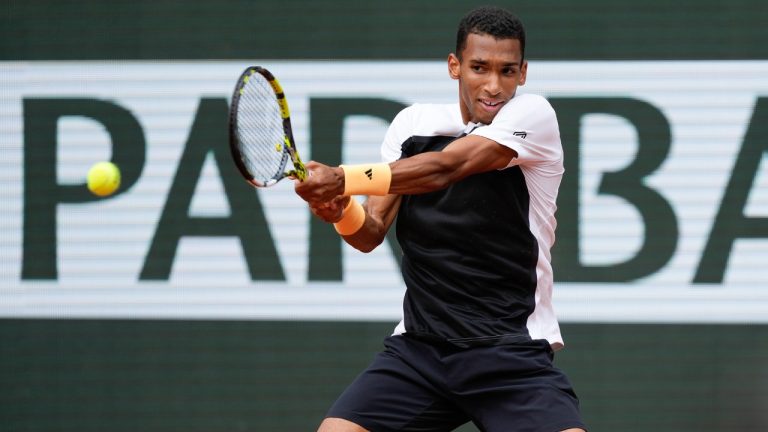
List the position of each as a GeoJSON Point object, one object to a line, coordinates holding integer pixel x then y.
{"type": "Point", "coordinates": [527, 112]}
{"type": "Point", "coordinates": [423, 111]}
{"type": "Point", "coordinates": [532, 99]}
{"type": "Point", "coordinates": [528, 125]}
{"type": "Point", "coordinates": [531, 104]}
{"type": "Point", "coordinates": [424, 120]}
{"type": "Point", "coordinates": [430, 119]}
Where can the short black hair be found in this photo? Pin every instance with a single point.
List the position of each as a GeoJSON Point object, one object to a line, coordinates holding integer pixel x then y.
{"type": "Point", "coordinates": [491, 20]}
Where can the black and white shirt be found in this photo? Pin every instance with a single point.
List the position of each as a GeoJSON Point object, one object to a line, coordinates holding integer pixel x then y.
{"type": "Point", "coordinates": [476, 255]}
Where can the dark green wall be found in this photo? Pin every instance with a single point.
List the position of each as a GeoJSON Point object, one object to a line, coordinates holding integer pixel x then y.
{"type": "Point", "coordinates": [60, 375]}
{"type": "Point", "coordinates": [353, 29]}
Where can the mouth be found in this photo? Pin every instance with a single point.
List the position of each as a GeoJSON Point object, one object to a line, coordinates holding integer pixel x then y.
{"type": "Point", "coordinates": [491, 105]}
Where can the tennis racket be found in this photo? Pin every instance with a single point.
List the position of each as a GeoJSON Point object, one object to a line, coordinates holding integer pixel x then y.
{"type": "Point", "coordinates": [260, 135]}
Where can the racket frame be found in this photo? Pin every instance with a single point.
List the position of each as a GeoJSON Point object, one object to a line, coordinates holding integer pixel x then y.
{"type": "Point", "coordinates": [299, 171]}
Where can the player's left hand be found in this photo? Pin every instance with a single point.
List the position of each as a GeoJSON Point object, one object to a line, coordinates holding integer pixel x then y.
{"type": "Point", "coordinates": [331, 211]}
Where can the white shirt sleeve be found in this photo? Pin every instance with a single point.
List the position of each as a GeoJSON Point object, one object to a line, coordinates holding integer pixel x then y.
{"type": "Point", "coordinates": [399, 131]}
{"type": "Point", "coordinates": [528, 125]}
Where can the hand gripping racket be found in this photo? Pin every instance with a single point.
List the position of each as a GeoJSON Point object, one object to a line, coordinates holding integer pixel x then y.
{"type": "Point", "coordinates": [260, 135]}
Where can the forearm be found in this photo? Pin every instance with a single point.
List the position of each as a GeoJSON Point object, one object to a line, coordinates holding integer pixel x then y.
{"type": "Point", "coordinates": [422, 173]}
{"type": "Point", "coordinates": [368, 237]}
{"type": "Point", "coordinates": [380, 212]}
{"type": "Point", "coordinates": [426, 172]}
{"type": "Point", "coordinates": [417, 174]}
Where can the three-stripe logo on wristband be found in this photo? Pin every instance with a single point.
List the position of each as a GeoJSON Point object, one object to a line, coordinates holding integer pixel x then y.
{"type": "Point", "coordinates": [368, 179]}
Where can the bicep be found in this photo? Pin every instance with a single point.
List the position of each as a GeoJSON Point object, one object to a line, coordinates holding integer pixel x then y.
{"type": "Point", "coordinates": [476, 154]}
{"type": "Point", "coordinates": [431, 171]}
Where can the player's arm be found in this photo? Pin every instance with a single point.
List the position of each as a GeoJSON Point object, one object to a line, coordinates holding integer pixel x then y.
{"type": "Point", "coordinates": [431, 171]}
{"type": "Point", "coordinates": [365, 226]}
{"type": "Point", "coordinates": [374, 218]}
{"type": "Point", "coordinates": [425, 172]}
{"type": "Point", "coordinates": [380, 212]}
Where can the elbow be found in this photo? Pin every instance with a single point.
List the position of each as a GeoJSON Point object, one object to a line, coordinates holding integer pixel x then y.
{"type": "Point", "coordinates": [367, 243]}
{"type": "Point", "coordinates": [365, 248]}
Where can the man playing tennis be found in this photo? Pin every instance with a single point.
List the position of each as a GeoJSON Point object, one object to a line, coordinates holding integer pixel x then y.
{"type": "Point", "coordinates": [473, 186]}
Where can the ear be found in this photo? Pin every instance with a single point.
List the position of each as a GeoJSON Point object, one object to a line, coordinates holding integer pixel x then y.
{"type": "Point", "coordinates": [454, 66]}
{"type": "Point", "coordinates": [523, 73]}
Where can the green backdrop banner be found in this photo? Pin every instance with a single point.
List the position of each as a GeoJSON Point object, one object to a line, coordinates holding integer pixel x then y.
{"type": "Point", "coordinates": [61, 375]}
{"type": "Point", "coordinates": [397, 29]}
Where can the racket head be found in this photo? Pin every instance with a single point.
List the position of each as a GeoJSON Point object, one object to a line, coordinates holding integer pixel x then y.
{"type": "Point", "coordinates": [260, 135]}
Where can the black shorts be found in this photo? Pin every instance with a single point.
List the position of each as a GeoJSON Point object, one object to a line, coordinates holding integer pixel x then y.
{"type": "Point", "coordinates": [414, 385]}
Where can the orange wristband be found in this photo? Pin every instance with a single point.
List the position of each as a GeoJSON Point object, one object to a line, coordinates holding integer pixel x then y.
{"type": "Point", "coordinates": [367, 179]}
{"type": "Point", "coordinates": [352, 218]}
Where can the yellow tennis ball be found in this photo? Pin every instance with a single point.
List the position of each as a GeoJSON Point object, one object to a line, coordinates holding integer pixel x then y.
{"type": "Point", "coordinates": [103, 178]}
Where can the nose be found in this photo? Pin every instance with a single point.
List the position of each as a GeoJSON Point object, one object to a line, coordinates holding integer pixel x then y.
{"type": "Point", "coordinates": [493, 85]}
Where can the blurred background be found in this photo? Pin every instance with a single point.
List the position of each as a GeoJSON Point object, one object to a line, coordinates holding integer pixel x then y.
{"type": "Point", "coordinates": [189, 301]}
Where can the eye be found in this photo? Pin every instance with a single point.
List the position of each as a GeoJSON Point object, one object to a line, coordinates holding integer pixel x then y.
{"type": "Point", "coordinates": [478, 67]}
{"type": "Point", "coordinates": [509, 71]}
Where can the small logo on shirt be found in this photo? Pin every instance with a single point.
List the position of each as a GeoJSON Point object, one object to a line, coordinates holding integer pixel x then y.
{"type": "Point", "coordinates": [520, 134]}
{"type": "Point", "coordinates": [369, 173]}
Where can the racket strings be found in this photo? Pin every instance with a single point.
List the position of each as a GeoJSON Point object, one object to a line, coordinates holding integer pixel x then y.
{"type": "Point", "coordinates": [260, 130]}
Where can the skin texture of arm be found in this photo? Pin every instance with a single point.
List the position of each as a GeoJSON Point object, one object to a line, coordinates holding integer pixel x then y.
{"type": "Point", "coordinates": [422, 173]}
{"type": "Point", "coordinates": [418, 174]}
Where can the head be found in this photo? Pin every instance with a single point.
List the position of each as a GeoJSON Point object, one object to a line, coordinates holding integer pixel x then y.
{"type": "Point", "coordinates": [489, 62]}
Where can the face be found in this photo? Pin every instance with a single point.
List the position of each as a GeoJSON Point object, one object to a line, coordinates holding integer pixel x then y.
{"type": "Point", "coordinates": [489, 73]}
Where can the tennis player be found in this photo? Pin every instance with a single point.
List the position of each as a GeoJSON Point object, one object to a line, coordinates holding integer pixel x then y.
{"type": "Point", "coordinates": [473, 185]}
